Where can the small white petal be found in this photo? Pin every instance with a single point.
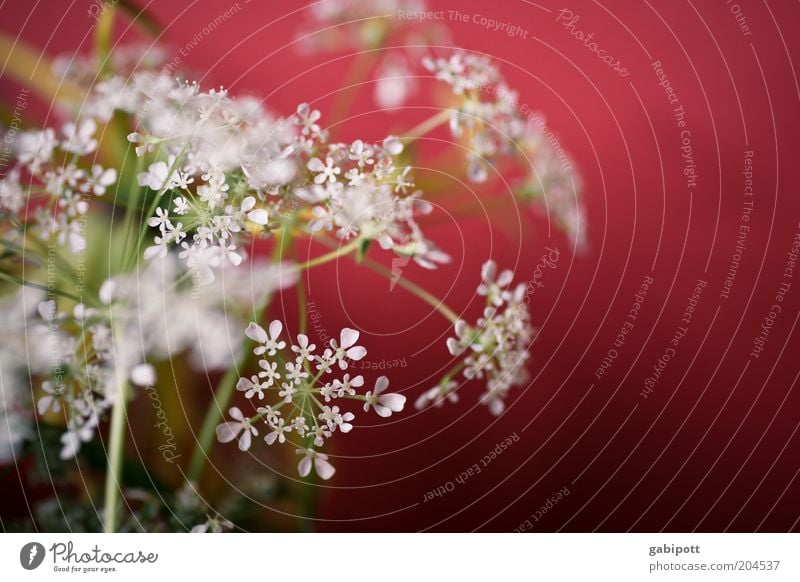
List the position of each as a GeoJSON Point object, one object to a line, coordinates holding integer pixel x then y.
{"type": "Point", "coordinates": [248, 203]}
{"type": "Point", "coordinates": [348, 337]}
{"type": "Point", "coordinates": [394, 402]}
{"type": "Point", "coordinates": [304, 467]}
{"type": "Point", "coordinates": [227, 431]}
{"type": "Point", "coordinates": [245, 440]}
{"type": "Point", "coordinates": [324, 469]}
{"type": "Point", "coordinates": [275, 329]}
{"type": "Point", "coordinates": [256, 333]}
{"type": "Point", "coordinates": [259, 216]}
{"type": "Point", "coordinates": [356, 353]}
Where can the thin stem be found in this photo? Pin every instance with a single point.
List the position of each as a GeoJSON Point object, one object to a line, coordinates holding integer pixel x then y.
{"type": "Point", "coordinates": [415, 289]}
{"type": "Point", "coordinates": [215, 411]}
{"type": "Point", "coordinates": [345, 97]}
{"type": "Point", "coordinates": [13, 279]}
{"type": "Point", "coordinates": [331, 256]}
{"type": "Point", "coordinates": [116, 452]}
{"type": "Point", "coordinates": [427, 126]}
{"type": "Point", "coordinates": [102, 38]}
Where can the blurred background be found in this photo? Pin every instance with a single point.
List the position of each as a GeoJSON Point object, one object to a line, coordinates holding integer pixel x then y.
{"type": "Point", "coordinates": [710, 442]}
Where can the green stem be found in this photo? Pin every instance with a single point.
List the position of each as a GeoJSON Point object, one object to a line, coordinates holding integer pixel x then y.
{"type": "Point", "coordinates": [415, 289]}
{"type": "Point", "coordinates": [331, 256]}
{"type": "Point", "coordinates": [13, 279]}
{"type": "Point", "coordinates": [214, 414]}
{"type": "Point", "coordinates": [102, 38]}
{"type": "Point", "coordinates": [427, 126]}
{"type": "Point", "coordinates": [116, 453]}
{"type": "Point", "coordinates": [345, 97]}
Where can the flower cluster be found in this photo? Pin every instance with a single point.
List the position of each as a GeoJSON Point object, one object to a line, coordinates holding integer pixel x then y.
{"type": "Point", "coordinates": [489, 117]}
{"type": "Point", "coordinates": [50, 173]}
{"type": "Point", "coordinates": [495, 349]}
{"type": "Point", "coordinates": [218, 168]}
{"type": "Point", "coordinates": [297, 401]}
{"type": "Point", "coordinates": [155, 315]}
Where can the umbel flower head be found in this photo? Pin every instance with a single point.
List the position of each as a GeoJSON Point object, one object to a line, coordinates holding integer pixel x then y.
{"type": "Point", "coordinates": [495, 349]}
{"type": "Point", "coordinates": [300, 395]}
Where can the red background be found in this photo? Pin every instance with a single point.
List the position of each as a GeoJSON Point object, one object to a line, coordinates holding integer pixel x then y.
{"type": "Point", "coordinates": [715, 446]}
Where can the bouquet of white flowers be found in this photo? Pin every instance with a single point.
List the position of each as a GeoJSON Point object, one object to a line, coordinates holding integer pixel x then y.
{"type": "Point", "coordinates": [189, 204]}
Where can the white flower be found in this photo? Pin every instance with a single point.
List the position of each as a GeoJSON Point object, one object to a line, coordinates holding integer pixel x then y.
{"type": "Point", "coordinates": [320, 461]}
{"type": "Point", "coordinates": [181, 205]}
{"type": "Point", "coordinates": [495, 290]}
{"type": "Point", "coordinates": [303, 349]}
{"type": "Point", "coordinates": [287, 392]}
{"type": "Point", "coordinates": [437, 395]}
{"type": "Point", "coordinates": [295, 373]}
{"type": "Point", "coordinates": [325, 172]}
{"type": "Point", "coordinates": [100, 180]}
{"type": "Point", "coordinates": [161, 219]}
{"type": "Point", "coordinates": [79, 139]}
{"type": "Point", "coordinates": [270, 344]}
{"type": "Point", "coordinates": [347, 348]}
{"type": "Point", "coordinates": [269, 372]}
{"type": "Point", "coordinates": [384, 404]}
{"type": "Point", "coordinates": [155, 177]}
{"type": "Point", "coordinates": [278, 432]}
{"type": "Point", "coordinates": [306, 118]}
{"type": "Point", "coordinates": [251, 387]}
{"type": "Point", "coordinates": [35, 148]}
{"type": "Point", "coordinates": [346, 386]}
{"type": "Point", "coordinates": [258, 216]}
{"type": "Point", "coordinates": [51, 400]}
{"type": "Point", "coordinates": [228, 431]}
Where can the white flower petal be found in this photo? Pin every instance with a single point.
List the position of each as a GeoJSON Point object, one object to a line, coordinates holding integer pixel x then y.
{"type": "Point", "coordinates": [304, 467]}
{"type": "Point", "coordinates": [324, 469]}
{"type": "Point", "coordinates": [227, 431]}
{"type": "Point", "coordinates": [256, 333]}
{"type": "Point", "coordinates": [348, 337]}
{"type": "Point", "coordinates": [394, 402]}
{"type": "Point", "coordinates": [259, 216]}
{"type": "Point", "coordinates": [356, 353]}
